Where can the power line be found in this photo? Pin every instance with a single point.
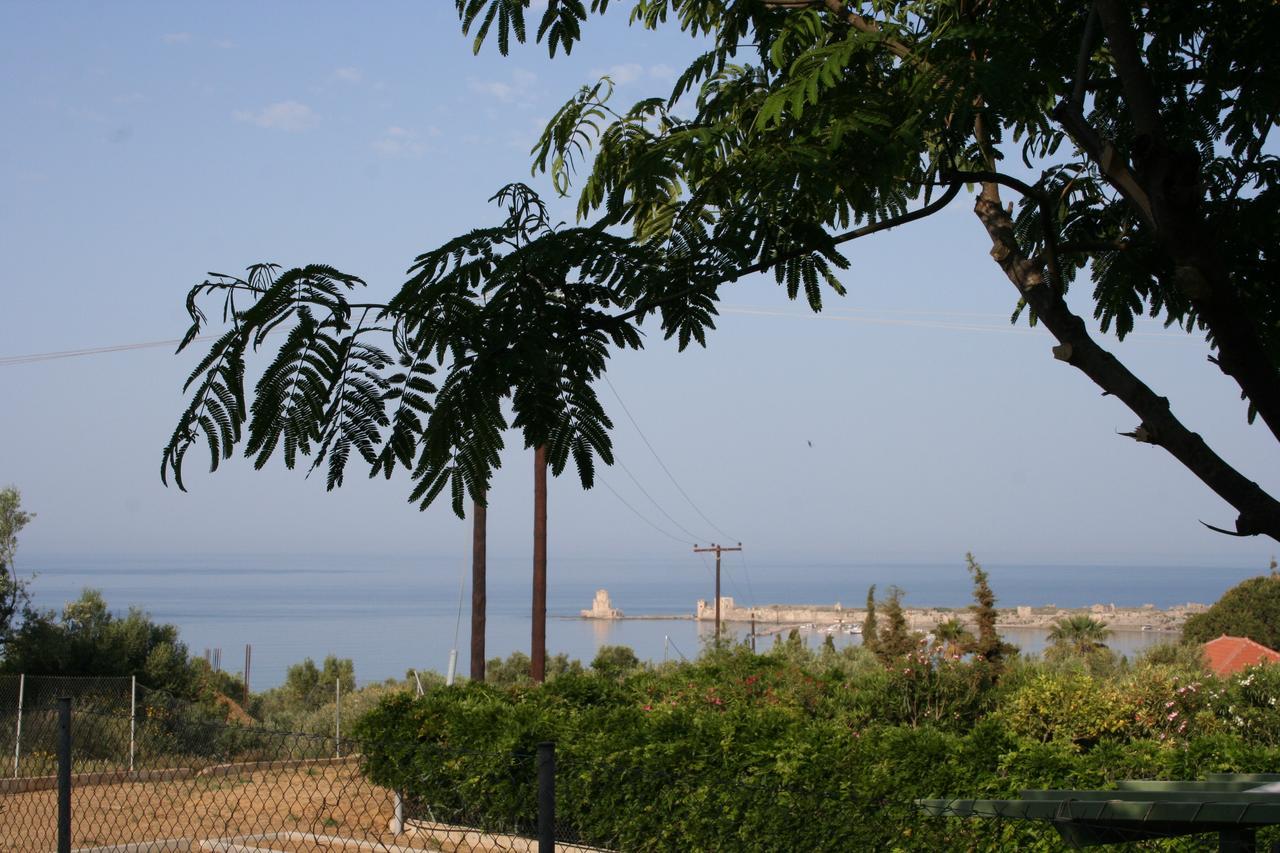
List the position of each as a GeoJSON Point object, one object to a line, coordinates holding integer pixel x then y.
{"type": "Point", "coordinates": [32, 358]}
{"type": "Point", "coordinates": [847, 315]}
{"type": "Point", "coordinates": [747, 576]}
{"type": "Point", "coordinates": [641, 515]}
{"type": "Point", "coordinates": [666, 470]}
{"type": "Point", "coordinates": [645, 492]}
{"type": "Point", "coordinates": [711, 573]}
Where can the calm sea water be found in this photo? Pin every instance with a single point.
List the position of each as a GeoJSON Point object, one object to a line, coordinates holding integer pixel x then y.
{"type": "Point", "coordinates": [390, 614]}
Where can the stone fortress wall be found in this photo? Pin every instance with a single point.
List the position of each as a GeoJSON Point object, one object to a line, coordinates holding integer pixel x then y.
{"type": "Point", "coordinates": [1131, 618]}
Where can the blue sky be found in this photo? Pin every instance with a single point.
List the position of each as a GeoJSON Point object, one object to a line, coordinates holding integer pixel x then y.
{"type": "Point", "coordinates": [146, 144]}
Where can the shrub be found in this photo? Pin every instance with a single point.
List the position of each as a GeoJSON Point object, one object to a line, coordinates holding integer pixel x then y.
{"type": "Point", "coordinates": [1250, 609]}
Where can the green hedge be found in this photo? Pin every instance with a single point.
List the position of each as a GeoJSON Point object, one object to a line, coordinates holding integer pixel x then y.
{"type": "Point", "coordinates": [787, 751]}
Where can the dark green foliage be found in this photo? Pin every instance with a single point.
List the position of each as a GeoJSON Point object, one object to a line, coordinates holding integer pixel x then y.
{"type": "Point", "coordinates": [1250, 609]}
{"type": "Point", "coordinates": [615, 661]}
{"type": "Point", "coordinates": [794, 750]}
{"type": "Point", "coordinates": [870, 625]}
{"type": "Point", "coordinates": [87, 639]}
{"type": "Point", "coordinates": [514, 316]}
{"type": "Point", "coordinates": [516, 669]}
{"type": "Point", "coordinates": [14, 601]}
{"type": "Point", "coordinates": [897, 639]}
{"type": "Point", "coordinates": [987, 645]}
{"type": "Point", "coordinates": [805, 122]}
{"type": "Point", "coordinates": [801, 126]}
{"type": "Point", "coordinates": [307, 685]}
{"type": "Point", "coordinates": [1081, 639]}
{"type": "Point", "coordinates": [951, 637]}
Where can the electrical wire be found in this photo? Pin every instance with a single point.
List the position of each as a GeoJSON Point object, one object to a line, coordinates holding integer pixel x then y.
{"type": "Point", "coordinates": [747, 576]}
{"type": "Point", "coordinates": [725, 576]}
{"type": "Point", "coordinates": [662, 464]}
{"type": "Point", "coordinates": [847, 315]}
{"type": "Point", "coordinates": [641, 515]}
{"type": "Point", "coordinates": [32, 358]}
{"type": "Point", "coordinates": [645, 492]}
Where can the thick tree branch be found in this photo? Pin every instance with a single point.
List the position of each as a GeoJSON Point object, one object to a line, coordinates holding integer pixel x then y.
{"type": "Point", "coordinates": [1102, 152]}
{"type": "Point", "coordinates": [1140, 93]}
{"type": "Point", "coordinates": [1082, 58]}
{"type": "Point", "coordinates": [1043, 206]}
{"type": "Point", "coordinates": [1173, 181]}
{"type": "Point", "coordinates": [860, 23]}
{"type": "Point", "coordinates": [1259, 513]}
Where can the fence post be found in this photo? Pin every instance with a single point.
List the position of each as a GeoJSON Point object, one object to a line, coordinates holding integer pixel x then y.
{"type": "Point", "coordinates": [17, 737]}
{"type": "Point", "coordinates": [546, 797]}
{"type": "Point", "coordinates": [337, 717]}
{"type": "Point", "coordinates": [133, 716]}
{"type": "Point", "coordinates": [397, 814]}
{"type": "Point", "coordinates": [64, 775]}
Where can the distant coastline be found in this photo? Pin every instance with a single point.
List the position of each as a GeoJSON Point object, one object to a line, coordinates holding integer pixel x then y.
{"type": "Point", "coordinates": [837, 617]}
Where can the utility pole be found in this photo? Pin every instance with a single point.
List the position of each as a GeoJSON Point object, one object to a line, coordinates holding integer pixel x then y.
{"type": "Point", "coordinates": [538, 652]}
{"type": "Point", "coordinates": [717, 549]}
{"type": "Point", "coordinates": [248, 658]}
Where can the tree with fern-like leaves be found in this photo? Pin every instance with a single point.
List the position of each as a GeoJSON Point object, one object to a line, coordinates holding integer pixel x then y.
{"type": "Point", "coordinates": [495, 330]}
{"type": "Point", "coordinates": [1120, 147]}
{"type": "Point", "coordinates": [803, 125]}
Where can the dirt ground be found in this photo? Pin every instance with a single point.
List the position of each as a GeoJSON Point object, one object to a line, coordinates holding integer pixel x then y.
{"type": "Point", "coordinates": [332, 801]}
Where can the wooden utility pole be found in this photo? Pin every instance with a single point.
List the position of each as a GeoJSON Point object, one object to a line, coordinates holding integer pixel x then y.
{"type": "Point", "coordinates": [248, 658]}
{"type": "Point", "coordinates": [479, 595]}
{"type": "Point", "coordinates": [717, 549]}
{"type": "Point", "coordinates": [538, 652]}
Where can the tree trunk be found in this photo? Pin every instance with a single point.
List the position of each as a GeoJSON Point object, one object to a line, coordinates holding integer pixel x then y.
{"type": "Point", "coordinates": [538, 653]}
{"type": "Point", "coordinates": [479, 593]}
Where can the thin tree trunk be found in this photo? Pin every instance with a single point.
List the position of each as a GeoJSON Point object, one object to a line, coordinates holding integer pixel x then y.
{"type": "Point", "coordinates": [538, 654]}
{"type": "Point", "coordinates": [479, 600]}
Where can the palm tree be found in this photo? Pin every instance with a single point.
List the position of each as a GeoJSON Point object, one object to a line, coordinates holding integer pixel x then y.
{"type": "Point", "coordinates": [951, 637]}
{"type": "Point", "coordinates": [1079, 635]}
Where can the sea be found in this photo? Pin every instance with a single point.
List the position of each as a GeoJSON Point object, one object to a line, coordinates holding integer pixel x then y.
{"type": "Point", "coordinates": [395, 613]}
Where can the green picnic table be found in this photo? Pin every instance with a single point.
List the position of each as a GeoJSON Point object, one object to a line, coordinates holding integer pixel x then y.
{"type": "Point", "coordinates": [1234, 805]}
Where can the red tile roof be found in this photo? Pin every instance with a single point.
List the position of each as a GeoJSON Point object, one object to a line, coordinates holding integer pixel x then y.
{"type": "Point", "coordinates": [1226, 655]}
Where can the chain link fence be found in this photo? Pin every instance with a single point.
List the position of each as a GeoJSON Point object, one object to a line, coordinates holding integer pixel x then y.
{"type": "Point", "coordinates": [200, 783]}
{"type": "Point", "coordinates": [28, 705]}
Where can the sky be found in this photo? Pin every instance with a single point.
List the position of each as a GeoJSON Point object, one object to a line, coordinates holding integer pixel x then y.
{"type": "Point", "coordinates": [147, 144]}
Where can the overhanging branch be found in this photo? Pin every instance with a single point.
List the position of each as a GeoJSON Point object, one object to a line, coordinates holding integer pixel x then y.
{"type": "Point", "coordinates": [1259, 512]}
{"type": "Point", "coordinates": [928, 210]}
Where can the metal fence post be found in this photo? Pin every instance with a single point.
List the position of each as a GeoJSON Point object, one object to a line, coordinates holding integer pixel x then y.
{"type": "Point", "coordinates": [337, 717]}
{"type": "Point", "coordinates": [64, 775]}
{"type": "Point", "coordinates": [17, 736]}
{"type": "Point", "coordinates": [546, 797]}
{"type": "Point", "coordinates": [133, 716]}
{"type": "Point", "coordinates": [397, 814]}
